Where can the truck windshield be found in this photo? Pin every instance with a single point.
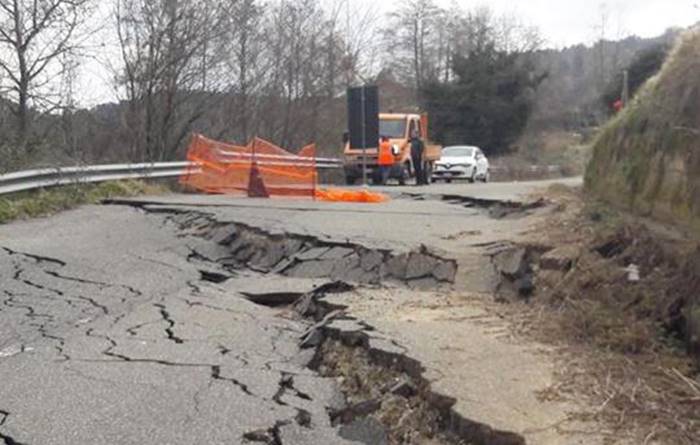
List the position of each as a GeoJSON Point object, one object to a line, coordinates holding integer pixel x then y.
{"type": "Point", "coordinates": [392, 128]}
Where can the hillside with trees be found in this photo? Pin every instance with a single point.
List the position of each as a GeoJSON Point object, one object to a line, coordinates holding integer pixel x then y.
{"type": "Point", "coordinates": [278, 69]}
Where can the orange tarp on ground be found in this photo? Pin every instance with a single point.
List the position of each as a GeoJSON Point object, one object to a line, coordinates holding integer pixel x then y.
{"type": "Point", "coordinates": [261, 169]}
{"type": "Point", "coordinates": [342, 195]}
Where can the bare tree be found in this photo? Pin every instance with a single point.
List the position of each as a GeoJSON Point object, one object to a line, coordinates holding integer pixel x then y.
{"type": "Point", "coordinates": [423, 39]}
{"type": "Point", "coordinates": [164, 46]}
{"type": "Point", "coordinates": [410, 39]}
{"type": "Point", "coordinates": [34, 36]}
{"type": "Point", "coordinates": [353, 29]}
{"type": "Point", "coordinates": [244, 33]}
{"type": "Point", "coordinates": [68, 86]}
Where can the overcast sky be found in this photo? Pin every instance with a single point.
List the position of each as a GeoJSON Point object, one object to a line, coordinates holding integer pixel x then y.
{"type": "Point", "coordinates": [561, 22]}
{"type": "Point", "coordinates": [568, 22]}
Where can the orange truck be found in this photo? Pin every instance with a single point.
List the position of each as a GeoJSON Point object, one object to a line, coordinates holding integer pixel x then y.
{"type": "Point", "coordinates": [398, 127]}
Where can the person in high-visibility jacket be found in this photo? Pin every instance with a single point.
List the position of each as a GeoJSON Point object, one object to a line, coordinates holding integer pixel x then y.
{"type": "Point", "coordinates": [385, 160]}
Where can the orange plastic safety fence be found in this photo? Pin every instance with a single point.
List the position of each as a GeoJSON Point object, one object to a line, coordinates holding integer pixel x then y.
{"type": "Point", "coordinates": [258, 169]}
{"type": "Point", "coordinates": [285, 174]}
{"type": "Point", "coordinates": [221, 168]}
{"type": "Point", "coordinates": [261, 169]}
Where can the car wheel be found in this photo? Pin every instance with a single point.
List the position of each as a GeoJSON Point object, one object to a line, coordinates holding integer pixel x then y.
{"type": "Point", "coordinates": [350, 180]}
{"type": "Point", "coordinates": [487, 177]}
{"type": "Point", "coordinates": [449, 181]}
{"type": "Point", "coordinates": [472, 179]}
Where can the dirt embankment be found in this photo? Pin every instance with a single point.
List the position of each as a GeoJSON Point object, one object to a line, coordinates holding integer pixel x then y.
{"type": "Point", "coordinates": [648, 158]}
{"type": "Point", "coordinates": [621, 293]}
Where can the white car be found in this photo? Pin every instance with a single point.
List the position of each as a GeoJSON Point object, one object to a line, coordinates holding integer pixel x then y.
{"type": "Point", "coordinates": [461, 162]}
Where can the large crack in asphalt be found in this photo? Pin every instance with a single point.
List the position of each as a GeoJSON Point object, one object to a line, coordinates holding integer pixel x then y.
{"type": "Point", "coordinates": [236, 245]}
{"type": "Point", "coordinates": [383, 383]}
{"type": "Point", "coordinates": [341, 342]}
{"type": "Point", "coordinates": [494, 208]}
{"type": "Point", "coordinates": [239, 245]}
{"type": "Point", "coordinates": [338, 342]}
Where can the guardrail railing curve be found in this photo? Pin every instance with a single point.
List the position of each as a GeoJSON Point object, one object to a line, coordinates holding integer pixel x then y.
{"type": "Point", "coordinates": [52, 177]}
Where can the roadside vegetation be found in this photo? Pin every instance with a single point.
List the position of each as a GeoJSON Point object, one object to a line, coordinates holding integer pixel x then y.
{"type": "Point", "coordinates": [617, 265]}
{"type": "Point", "coordinates": [49, 201]}
{"type": "Point", "coordinates": [631, 345]}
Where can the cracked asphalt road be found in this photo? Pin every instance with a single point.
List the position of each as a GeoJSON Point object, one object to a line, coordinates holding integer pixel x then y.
{"type": "Point", "coordinates": [108, 335]}
{"type": "Point", "coordinates": [118, 327]}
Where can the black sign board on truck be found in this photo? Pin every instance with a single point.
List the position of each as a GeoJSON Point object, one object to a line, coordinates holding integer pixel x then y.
{"type": "Point", "coordinates": [363, 117]}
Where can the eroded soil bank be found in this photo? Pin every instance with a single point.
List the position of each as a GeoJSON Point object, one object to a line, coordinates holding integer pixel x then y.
{"type": "Point", "coordinates": [620, 295]}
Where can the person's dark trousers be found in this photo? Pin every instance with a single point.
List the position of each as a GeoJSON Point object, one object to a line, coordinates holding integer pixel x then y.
{"type": "Point", "coordinates": [384, 171]}
{"type": "Point", "coordinates": [418, 167]}
{"type": "Point", "coordinates": [424, 174]}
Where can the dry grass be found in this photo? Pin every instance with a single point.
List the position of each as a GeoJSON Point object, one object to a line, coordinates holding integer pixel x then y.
{"type": "Point", "coordinates": [49, 201]}
{"type": "Point", "coordinates": [623, 348]}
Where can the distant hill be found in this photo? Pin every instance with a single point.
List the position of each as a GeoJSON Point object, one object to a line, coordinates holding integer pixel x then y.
{"type": "Point", "coordinates": [570, 97]}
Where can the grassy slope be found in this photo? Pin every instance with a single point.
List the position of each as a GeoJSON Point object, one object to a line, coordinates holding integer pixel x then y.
{"type": "Point", "coordinates": [647, 159]}
{"type": "Point", "coordinates": [46, 202]}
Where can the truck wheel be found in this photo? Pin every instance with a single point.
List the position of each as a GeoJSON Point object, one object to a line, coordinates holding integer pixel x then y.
{"type": "Point", "coordinates": [405, 174]}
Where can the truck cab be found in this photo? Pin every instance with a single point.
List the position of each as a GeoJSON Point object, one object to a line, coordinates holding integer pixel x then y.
{"type": "Point", "coordinates": [398, 127]}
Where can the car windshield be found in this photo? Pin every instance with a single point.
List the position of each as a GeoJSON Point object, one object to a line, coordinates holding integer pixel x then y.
{"type": "Point", "coordinates": [458, 152]}
{"type": "Point", "coordinates": [392, 128]}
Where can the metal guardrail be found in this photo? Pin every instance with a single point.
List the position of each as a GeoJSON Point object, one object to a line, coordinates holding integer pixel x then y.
{"type": "Point", "coordinates": [528, 168]}
{"type": "Point", "coordinates": [52, 177]}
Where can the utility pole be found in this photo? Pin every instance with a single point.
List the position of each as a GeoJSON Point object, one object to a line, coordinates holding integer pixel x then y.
{"type": "Point", "coordinates": [625, 87]}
